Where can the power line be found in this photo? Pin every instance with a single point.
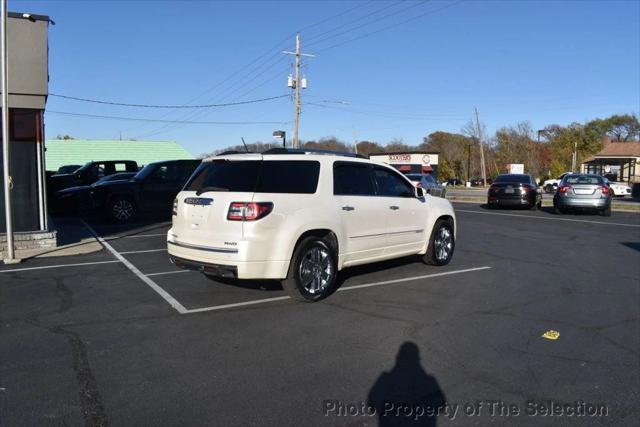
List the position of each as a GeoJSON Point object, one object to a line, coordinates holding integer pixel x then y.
{"type": "Point", "coordinates": [368, 23]}
{"type": "Point", "coordinates": [123, 104]}
{"type": "Point", "coordinates": [392, 26]}
{"type": "Point", "coordinates": [142, 119]}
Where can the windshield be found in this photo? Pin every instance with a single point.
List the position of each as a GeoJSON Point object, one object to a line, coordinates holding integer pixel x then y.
{"type": "Point", "coordinates": [513, 178]}
{"type": "Point", "coordinates": [584, 180]}
{"type": "Point", "coordinates": [414, 177]}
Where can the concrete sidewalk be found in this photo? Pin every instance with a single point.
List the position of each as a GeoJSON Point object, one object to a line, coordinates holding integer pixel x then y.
{"type": "Point", "coordinates": [73, 239]}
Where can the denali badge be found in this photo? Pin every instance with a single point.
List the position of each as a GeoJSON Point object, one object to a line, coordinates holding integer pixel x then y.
{"type": "Point", "coordinates": [198, 201]}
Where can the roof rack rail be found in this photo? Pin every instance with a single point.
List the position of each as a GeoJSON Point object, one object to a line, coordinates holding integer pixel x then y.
{"type": "Point", "coordinates": [280, 150]}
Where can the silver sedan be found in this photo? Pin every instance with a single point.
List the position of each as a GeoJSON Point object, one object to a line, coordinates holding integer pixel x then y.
{"type": "Point", "coordinates": [583, 192]}
{"type": "Point", "coordinates": [428, 183]}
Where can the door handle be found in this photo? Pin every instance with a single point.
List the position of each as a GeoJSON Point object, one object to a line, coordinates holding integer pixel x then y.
{"type": "Point", "coordinates": [348, 208]}
{"type": "Point", "coordinates": [394, 208]}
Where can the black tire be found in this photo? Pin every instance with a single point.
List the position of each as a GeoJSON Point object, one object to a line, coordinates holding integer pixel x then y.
{"type": "Point", "coordinates": [606, 211]}
{"type": "Point", "coordinates": [122, 209]}
{"type": "Point", "coordinates": [318, 255]}
{"type": "Point", "coordinates": [434, 256]}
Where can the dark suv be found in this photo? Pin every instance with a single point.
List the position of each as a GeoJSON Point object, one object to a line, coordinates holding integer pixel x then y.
{"type": "Point", "coordinates": [89, 173]}
{"type": "Point", "coordinates": [150, 191]}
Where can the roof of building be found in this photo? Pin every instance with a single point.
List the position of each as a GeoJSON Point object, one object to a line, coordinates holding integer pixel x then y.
{"type": "Point", "coordinates": [62, 152]}
{"type": "Point", "coordinates": [620, 149]}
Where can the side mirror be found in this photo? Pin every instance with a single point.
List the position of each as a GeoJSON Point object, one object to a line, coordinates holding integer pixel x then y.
{"type": "Point", "coordinates": [419, 193]}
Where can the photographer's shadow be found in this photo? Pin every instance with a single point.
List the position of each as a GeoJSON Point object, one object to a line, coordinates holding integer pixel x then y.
{"type": "Point", "coordinates": [397, 393]}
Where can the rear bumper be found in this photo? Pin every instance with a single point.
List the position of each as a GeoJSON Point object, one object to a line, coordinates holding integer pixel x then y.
{"type": "Point", "coordinates": [224, 263]}
{"type": "Point", "coordinates": [509, 201]}
{"type": "Point", "coordinates": [567, 202]}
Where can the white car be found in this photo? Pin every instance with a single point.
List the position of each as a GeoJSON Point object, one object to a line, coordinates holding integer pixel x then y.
{"type": "Point", "coordinates": [551, 185]}
{"type": "Point", "coordinates": [301, 216]}
{"type": "Point", "coordinates": [618, 189]}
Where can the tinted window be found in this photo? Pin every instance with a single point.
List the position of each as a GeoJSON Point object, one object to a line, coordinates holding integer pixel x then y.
{"type": "Point", "coordinates": [269, 176]}
{"type": "Point", "coordinates": [414, 177]}
{"type": "Point", "coordinates": [285, 176]}
{"type": "Point", "coordinates": [514, 178]}
{"type": "Point", "coordinates": [391, 184]}
{"type": "Point", "coordinates": [352, 179]}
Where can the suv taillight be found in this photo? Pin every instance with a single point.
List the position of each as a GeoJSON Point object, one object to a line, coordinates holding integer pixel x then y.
{"type": "Point", "coordinates": [248, 211]}
{"type": "Point", "coordinates": [564, 189]}
{"type": "Point", "coordinates": [174, 211]}
{"type": "Point", "coordinates": [604, 189]}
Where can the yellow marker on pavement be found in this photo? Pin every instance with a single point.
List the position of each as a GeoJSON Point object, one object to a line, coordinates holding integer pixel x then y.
{"type": "Point", "coordinates": [551, 335]}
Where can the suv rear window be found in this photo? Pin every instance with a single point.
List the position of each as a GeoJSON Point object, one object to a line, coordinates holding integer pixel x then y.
{"type": "Point", "coordinates": [266, 176]}
{"type": "Point", "coordinates": [582, 179]}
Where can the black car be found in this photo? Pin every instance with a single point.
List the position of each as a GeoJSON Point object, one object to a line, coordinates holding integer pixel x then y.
{"type": "Point", "coordinates": [89, 173]}
{"type": "Point", "coordinates": [150, 191]}
{"type": "Point", "coordinates": [515, 190]}
{"type": "Point", "coordinates": [455, 181]}
{"type": "Point", "coordinates": [67, 169]}
{"type": "Point", "coordinates": [478, 182]}
{"type": "Point", "coordinates": [77, 199]}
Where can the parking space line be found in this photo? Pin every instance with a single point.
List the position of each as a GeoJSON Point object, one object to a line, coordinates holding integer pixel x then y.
{"type": "Point", "coordinates": [621, 224]}
{"type": "Point", "coordinates": [164, 294]}
{"type": "Point", "coordinates": [60, 266]}
{"type": "Point", "coordinates": [408, 279]}
{"type": "Point", "coordinates": [168, 272]}
{"type": "Point", "coordinates": [144, 235]}
{"type": "Point", "coordinates": [143, 251]}
{"type": "Point", "coordinates": [366, 285]}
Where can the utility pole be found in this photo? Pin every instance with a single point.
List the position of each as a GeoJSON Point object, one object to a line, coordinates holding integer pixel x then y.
{"type": "Point", "coordinates": [482, 169]}
{"type": "Point", "coordinates": [8, 215]}
{"type": "Point", "coordinates": [297, 83]}
{"type": "Point", "coordinates": [574, 157]}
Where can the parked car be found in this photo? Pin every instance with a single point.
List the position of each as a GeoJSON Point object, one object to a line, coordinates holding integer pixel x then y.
{"type": "Point", "coordinates": [618, 189]}
{"type": "Point", "coordinates": [66, 169]}
{"type": "Point", "coordinates": [478, 182]}
{"type": "Point", "coordinates": [150, 191]}
{"type": "Point", "coordinates": [583, 192]}
{"type": "Point", "coordinates": [454, 181]}
{"type": "Point", "coordinates": [551, 185]}
{"type": "Point", "coordinates": [78, 199]}
{"type": "Point", "coordinates": [515, 190]}
{"type": "Point", "coordinates": [428, 183]}
{"type": "Point", "coordinates": [88, 174]}
{"type": "Point", "coordinates": [300, 216]}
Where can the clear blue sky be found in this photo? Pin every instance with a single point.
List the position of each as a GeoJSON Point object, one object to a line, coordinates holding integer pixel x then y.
{"type": "Point", "coordinates": [542, 61]}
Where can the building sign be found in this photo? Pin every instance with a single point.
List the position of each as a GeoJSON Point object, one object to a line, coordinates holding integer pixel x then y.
{"type": "Point", "coordinates": [406, 158]}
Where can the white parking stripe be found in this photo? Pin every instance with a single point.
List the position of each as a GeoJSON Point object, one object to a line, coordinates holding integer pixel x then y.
{"type": "Point", "coordinates": [164, 294]}
{"type": "Point", "coordinates": [143, 252]}
{"type": "Point", "coordinates": [59, 266]}
{"type": "Point", "coordinates": [407, 279]}
{"type": "Point", "coordinates": [621, 224]}
{"type": "Point", "coordinates": [168, 272]}
{"type": "Point", "coordinates": [144, 235]}
{"type": "Point", "coordinates": [348, 288]}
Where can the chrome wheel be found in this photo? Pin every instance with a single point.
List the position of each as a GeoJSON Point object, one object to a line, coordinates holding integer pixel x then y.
{"type": "Point", "coordinates": [122, 210]}
{"type": "Point", "coordinates": [443, 243]}
{"type": "Point", "coordinates": [316, 270]}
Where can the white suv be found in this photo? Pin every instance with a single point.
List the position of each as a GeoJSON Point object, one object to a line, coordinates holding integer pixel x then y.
{"type": "Point", "coordinates": [302, 216]}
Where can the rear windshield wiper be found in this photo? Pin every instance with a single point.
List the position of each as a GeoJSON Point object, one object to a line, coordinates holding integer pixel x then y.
{"type": "Point", "coordinates": [205, 189]}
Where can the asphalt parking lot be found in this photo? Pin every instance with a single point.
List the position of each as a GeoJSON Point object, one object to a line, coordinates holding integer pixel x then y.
{"type": "Point", "coordinates": [122, 337]}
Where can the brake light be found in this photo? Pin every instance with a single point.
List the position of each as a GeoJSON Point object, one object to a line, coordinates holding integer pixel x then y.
{"type": "Point", "coordinates": [604, 189]}
{"type": "Point", "coordinates": [248, 211]}
{"type": "Point", "coordinates": [526, 188]}
{"type": "Point", "coordinates": [563, 189]}
{"type": "Point", "coordinates": [174, 211]}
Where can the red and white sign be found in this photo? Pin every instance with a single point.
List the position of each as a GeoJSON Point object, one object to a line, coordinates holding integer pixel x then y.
{"type": "Point", "coordinates": [406, 159]}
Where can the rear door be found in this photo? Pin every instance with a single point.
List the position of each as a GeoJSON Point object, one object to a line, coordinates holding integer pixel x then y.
{"type": "Point", "coordinates": [362, 214]}
{"type": "Point", "coordinates": [405, 213]}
